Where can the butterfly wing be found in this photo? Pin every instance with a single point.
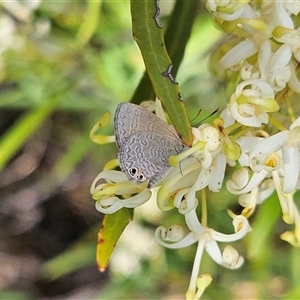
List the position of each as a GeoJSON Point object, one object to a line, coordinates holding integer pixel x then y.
{"type": "Point", "coordinates": [144, 156]}
{"type": "Point", "coordinates": [131, 118]}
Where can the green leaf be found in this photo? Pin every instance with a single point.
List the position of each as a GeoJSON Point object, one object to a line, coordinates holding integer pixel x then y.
{"type": "Point", "coordinates": [150, 39]}
{"type": "Point", "coordinates": [182, 18]}
{"type": "Point", "coordinates": [112, 227]}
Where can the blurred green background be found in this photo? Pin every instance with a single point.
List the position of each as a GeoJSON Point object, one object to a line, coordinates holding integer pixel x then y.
{"type": "Point", "coordinates": [62, 64]}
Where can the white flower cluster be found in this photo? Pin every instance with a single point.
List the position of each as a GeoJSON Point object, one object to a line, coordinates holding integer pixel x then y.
{"type": "Point", "coordinates": [248, 136]}
{"type": "Point", "coordinates": [203, 165]}
{"type": "Point", "coordinates": [265, 53]}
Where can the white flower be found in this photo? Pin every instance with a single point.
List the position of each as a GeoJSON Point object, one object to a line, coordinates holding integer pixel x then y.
{"type": "Point", "coordinates": [251, 102]}
{"type": "Point", "coordinates": [256, 30]}
{"type": "Point", "coordinates": [274, 13]}
{"type": "Point", "coordinates": [230, 10]}
{"type": "Point", "coordinates": [276, 157]}
{"type": "Point", "coordinates": [207, 236]}
{"type": "Point", "coordinates": [251, 192]}
{"type": "Point", "coordinates": [274, 67]}
{"type": "Point", "coordinates": [207, 239]}
{"type": "Point", "coordinates": [117, 192]}
{"type": "Point", "coordinates": [203, 166]}
{"type": "Point", "coordinates": [238, 53]}
{"type": "Point", "coordinates": [263, 156]}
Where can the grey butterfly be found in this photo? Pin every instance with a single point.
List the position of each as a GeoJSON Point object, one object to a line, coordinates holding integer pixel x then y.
{"type": "Point", "coordinates": [145, 143]}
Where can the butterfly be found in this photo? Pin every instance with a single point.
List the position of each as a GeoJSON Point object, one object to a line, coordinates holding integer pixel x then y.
{"type": "Point", "coordinates": [145, 143]}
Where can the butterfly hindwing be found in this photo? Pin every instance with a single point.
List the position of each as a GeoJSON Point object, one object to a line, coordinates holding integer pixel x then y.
{"type": "Point", "coordinates": [148, 154]}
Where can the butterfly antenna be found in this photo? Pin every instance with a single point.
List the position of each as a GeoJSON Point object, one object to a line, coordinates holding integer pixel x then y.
{"type": "Point", "coordinates": [211, 114]}
{"type": "Point", "coordinates": [198, 114]}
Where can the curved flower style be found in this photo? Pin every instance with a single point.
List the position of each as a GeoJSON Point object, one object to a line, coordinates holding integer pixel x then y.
{"type": "Point", "coordinates": [207, 239]}
{"type": "Point", "coordinates": [117, 192]}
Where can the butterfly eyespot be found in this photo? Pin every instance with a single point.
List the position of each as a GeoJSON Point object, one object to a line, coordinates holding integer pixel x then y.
{"type": "Point", "coordinates": [133, 171]}
{"type": "Point", "coordinates": [140, 177]}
